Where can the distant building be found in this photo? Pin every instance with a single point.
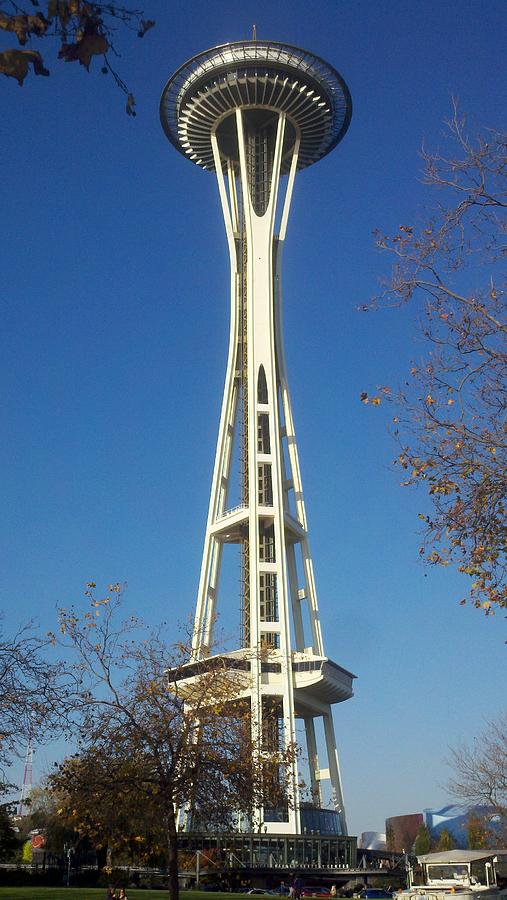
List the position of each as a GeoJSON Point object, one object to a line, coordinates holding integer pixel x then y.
{"type": "Point", "coordinates": [455, 819]}
{"type": "Point", "coordinates": [372, 840]}
{"type": "Point", "coordinates": [401, 831]}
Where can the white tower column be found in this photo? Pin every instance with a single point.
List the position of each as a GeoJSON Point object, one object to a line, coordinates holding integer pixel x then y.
{"type": "Point", "coordinates": [255, 113]}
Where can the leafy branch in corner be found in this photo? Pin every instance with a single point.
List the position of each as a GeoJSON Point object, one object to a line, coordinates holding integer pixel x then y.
{"type": "Point", "coordinates": [83, 31]}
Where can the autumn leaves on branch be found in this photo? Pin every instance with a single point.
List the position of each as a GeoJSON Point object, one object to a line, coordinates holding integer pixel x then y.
{"type": "Point", "coordinates": [450, 419]}
{"type": "Point", "coordinates": [83, 30]}
{"type": "Point", "coordinates": [158, 729]}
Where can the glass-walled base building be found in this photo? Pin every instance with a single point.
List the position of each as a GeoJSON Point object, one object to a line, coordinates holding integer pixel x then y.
{"type": "Point", "coordinates": [266, 851]}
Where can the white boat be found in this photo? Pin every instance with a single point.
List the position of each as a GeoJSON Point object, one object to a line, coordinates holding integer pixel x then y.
{"type": "Point", "coordinates": [469, 873]}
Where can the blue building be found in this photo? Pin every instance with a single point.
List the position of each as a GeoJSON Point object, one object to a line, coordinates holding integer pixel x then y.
{"type": "Point", "coordinates": [455, 819]}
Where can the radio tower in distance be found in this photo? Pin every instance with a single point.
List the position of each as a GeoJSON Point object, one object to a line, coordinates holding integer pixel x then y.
{"type": "Point", "coordinates": [26, 787]}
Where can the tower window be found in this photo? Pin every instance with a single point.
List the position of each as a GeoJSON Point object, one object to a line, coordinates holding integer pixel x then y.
{"type": "Point", "coordinates": [265, 485]}
{"type": "Point", "coordinates": [263, 441]}
{"type": "Point", "coordinates": [262, 387]}
{"type": "Point", "coordinates": [268, 599]}
{"type": "Point", "coordinates": [270, 640]}
{"type": "Point", "coordinates": [272, 724]}
{"type": "Point", "coordinates": [267, 543]}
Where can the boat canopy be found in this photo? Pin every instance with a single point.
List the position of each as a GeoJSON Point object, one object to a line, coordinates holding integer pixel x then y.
{"type": "Point", "coordinates": [455, 856]}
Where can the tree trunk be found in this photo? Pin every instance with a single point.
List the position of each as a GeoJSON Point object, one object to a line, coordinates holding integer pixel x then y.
{"type": "Point", "coordinates": [172, 847]}
{"type": "Point", "coordinates": [102, 854]}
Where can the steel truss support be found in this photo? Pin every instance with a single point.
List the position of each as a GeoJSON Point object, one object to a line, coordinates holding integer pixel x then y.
{"type": "Point", "coordinates": [270, 522]}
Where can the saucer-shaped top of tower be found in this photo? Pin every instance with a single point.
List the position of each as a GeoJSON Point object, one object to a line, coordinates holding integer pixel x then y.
{"type": "Point", "coordinates": [265, 78]}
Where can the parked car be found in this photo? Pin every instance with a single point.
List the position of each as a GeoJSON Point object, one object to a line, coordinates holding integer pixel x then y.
{"type": "Point", "coordinates": [312, 891]}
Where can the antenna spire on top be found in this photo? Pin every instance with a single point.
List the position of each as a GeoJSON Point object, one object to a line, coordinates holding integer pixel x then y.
{"type": "Point", "coordinates": [254, 32]}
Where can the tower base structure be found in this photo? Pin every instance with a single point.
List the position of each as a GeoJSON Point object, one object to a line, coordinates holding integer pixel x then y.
{"type": "Point", "coordinates": [237, 857]}
{"type": "Point", "coordinates": [256, 112]}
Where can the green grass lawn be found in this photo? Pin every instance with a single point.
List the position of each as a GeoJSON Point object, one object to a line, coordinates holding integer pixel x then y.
{"type": "Point", "coordinates": [74, 893]}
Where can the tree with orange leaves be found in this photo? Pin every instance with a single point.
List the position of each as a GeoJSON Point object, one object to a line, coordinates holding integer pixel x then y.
{"type": "Point", "coordinates": [159, 730]}
{"type": "Point", "coordinates": [450, 419]}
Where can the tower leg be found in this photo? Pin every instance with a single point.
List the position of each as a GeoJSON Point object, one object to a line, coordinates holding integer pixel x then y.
{"type": "Point", "coordinates": [296, 602]}
{"type": "Point", "coordinates": [313, 762]}
{"type": "Point", "coordinates": [334, 768]}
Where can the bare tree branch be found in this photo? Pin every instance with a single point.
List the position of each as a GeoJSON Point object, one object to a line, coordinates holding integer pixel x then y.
{"type": "Point", "coordinates": [157, 729]}
{"type": "Point", "coordinates": [450, 420]}
{"type": "Point", "coordinates": [480, 773]}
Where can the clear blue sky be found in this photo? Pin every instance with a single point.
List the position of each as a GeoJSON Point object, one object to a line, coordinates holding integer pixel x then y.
{"type": "Point", "coordinates": [114, 298]}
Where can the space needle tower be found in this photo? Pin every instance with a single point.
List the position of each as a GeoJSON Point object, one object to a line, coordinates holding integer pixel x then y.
{"type": "Point", "coordinates": [254, 113]}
